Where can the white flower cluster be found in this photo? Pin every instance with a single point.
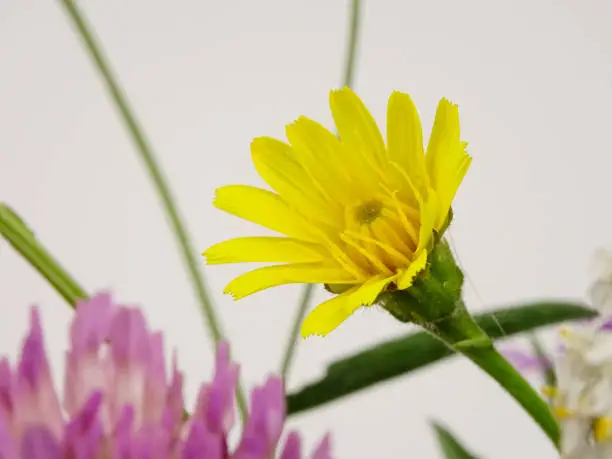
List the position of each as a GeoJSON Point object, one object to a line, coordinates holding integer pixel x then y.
{"type": "Point", "coordinates": [582, 398]}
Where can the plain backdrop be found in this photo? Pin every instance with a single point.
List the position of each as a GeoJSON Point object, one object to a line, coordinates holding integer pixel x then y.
{"type": "Point", "coordinates": [533, 79]}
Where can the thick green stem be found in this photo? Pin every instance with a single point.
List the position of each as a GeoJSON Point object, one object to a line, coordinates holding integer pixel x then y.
{"type": "Point", "coordinates": [16, 232]}
{"type": "Point", "coordinates": [462, 333]}
{"type": "Point", "coordinates": [459, 331]}
{"type": "Point", "coordinates": [496, 366]}
{"type": "Point", "coordinates": [163, 190]}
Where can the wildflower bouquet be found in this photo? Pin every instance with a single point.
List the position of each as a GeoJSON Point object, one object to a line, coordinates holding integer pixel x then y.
{"type": "Point", "coordinates": [363, 215]}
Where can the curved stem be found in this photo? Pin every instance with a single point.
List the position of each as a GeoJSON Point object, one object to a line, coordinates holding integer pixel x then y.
{"type": "Point", "coordinates": [347, 80]}
{"type": "Point", "coordinates": [461, 332]}
{"type": "Point", "coordinates": [434, 301]}
{"type": "Point", "coordinates": [146, 153]}
{"type": "Point", "coordinates": [496, 366]}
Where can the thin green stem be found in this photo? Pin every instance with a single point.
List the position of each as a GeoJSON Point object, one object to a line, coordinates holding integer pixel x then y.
{"type": "Point", "coordinates": [292, 343]}
{"type": "Point", "coordinates": [351, 51]}
{"type": "Point", "coordinates": [146, 153]}
{"type": "Point", "coordinates": [17, 233]}
{"type": "Point", "coordinates": [347, 80]}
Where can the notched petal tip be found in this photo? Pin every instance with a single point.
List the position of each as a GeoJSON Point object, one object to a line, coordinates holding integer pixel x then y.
{"type": "Point", "coordinates": [337, 96]}
{"type": "Point", "coordinates": [314, 329]}
{"type": "Point", "coordinates": [342, 90]}
{"type": "Point", "coordinates": [310, 335]}
{"type": "Point", "coordinates": [228, 291]}
{"type": "Point", "coordinates": [309, 330]}
{"type": "Point", "coordinates": [295, 130]}
{"type": "Point", "coordinates": [399, 96]}
{"type": "Point", "coordinates": [214, 255]}
{"type": "Point", "coordinates": [447, 103]}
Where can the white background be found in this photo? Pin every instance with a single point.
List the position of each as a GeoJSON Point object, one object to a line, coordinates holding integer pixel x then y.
{"type": "Point", "coordinates": [533, 79]}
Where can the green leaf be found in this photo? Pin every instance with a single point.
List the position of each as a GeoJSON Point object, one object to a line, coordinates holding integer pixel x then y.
{"type": "Point", "coordinates": [403, 355]}
{"type": "Point", "coordinates": [449, 445]}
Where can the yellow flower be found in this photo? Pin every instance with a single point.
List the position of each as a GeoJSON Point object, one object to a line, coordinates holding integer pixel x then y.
{"type": "Point", "coordinates": [358, 216]}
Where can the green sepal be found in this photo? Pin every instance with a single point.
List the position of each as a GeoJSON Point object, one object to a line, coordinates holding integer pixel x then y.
{"type": "Point", "coordinates": [435, 294]}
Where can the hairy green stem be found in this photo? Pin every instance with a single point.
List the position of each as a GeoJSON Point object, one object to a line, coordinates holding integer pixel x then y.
{"type": "Point", "coordinates": [347, 80]}
{"type": "Point", "coordinates": [146, 153]}
{"type": "Point", "coordinates": [463, 334]}
{"type": "Point", "coordinates": [459, 331]}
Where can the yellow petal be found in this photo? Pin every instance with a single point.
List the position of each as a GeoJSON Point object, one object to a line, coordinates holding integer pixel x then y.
{"type": "Point", "coordinates": [271, 276]}
{"type": "Point", "coordinates": [263, 249]}
{"type": "Point", "coordinates": [323, 157]}
{"type": "Point", "coordinates": [263, 208]}
{"type": "Point", "coordinates": [276, 163]}
{"type": "Point", "coordinates": [405, 139]}
{"type": "Point", "coordinates": [356, 127]}
{"type": "Point", "coordinates": [446, 159]}
{"type": "Point", "coordinates": [430, 212]}
{"type": "Point", "coordinates": [406, 278]}
{"type": "Point", "coordinates": [330, 314]}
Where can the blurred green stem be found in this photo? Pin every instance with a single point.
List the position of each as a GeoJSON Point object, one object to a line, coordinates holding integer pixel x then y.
{"type": "Point", "coordinates": [351, 51]}
{"type": "Point", "coordinates": [347, 80]}
{"type": "Point", "coordinates": [146, 153]}
{"type": "Point", "coordinates": [16, 232]}
{"type": "Point", "coordinates": [293, 336]}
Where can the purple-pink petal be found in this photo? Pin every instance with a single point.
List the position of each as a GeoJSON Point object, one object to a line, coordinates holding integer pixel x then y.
{"type": "Point", "coordinates": [120, 404]}
{"type": "Point", "coordinates": [324, 450]}
{"type": "Point", "coordinates": [607, 325]}
{"type": "Point", "coordinates": [129, 339]}
{"type": "Point", "coordinates": [293, 447]}
{"type": "Point", "coordinates": [34, 395]}
{"type": "Point", "coordinates": [174, 399]}
{"type": "Point", "coordinates": [6, 393]}
{"type": "Point", "coordinates": [83, 434]}
{"type": "Point", "coordinates": [39, 443]}
{"type": "Point", "coordinates": [91, 324]}
{"type": "Point", "coordinates": [202, 443]}
{"type": "Point", "coordinates": [220, 412]}
{"type": "Point", "coordinates": [525, 361]}
{"type": "Point", "coordinates": [8, 444]}
{"type": "Point", "coordinates": [265, 423]}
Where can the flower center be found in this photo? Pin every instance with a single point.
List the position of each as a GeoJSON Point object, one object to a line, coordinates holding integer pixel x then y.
{"type": "Point", "coordinates": [367, 213]}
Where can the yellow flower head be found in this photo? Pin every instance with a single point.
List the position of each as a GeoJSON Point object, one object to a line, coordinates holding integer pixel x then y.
{"type": "Point", "coordinates": [358, 216]}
